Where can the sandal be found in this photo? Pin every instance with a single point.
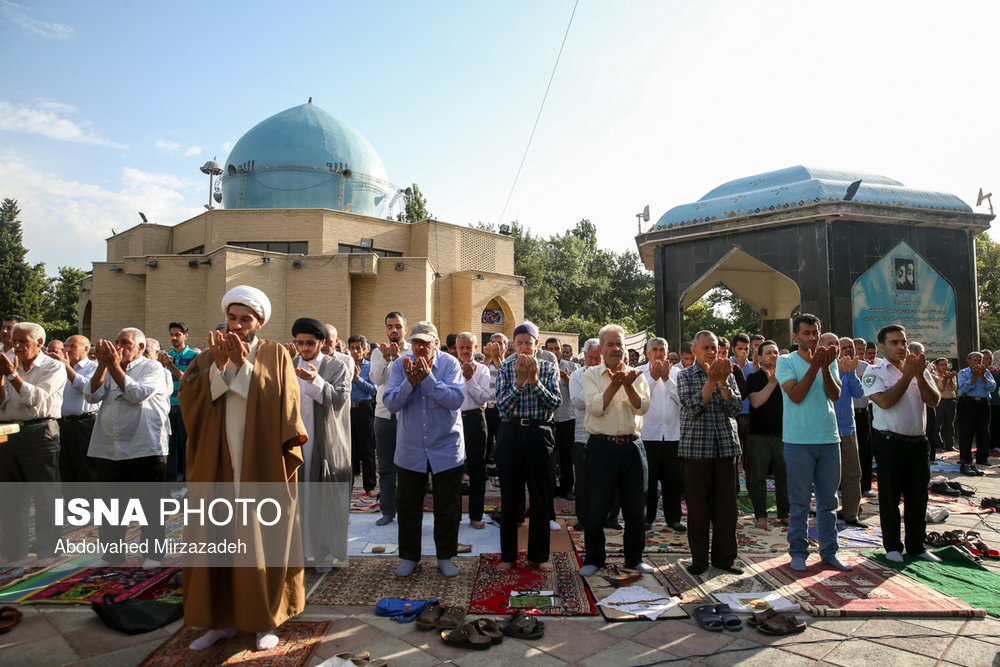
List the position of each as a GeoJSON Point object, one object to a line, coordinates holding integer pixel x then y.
{"type": "Point", "coordinates": [361, 658]}
{"type": "Point", "coordinates": [466, 636]}
{"type": "Point", "coordinates": [771, 622]}
{"type": "Point", "coordinates": [451, 618]}
{"type": "Point", "coordinates": [430, 616]}
{"type": "Point", "coordinates": [489, 628]}
{"type": "Point", "coordinates": [983, 549]}
{"type": "Point", "coordinates": [730, 621]}
{"type": "Point", "coordinates": [706, 617]}
{"type": "Point", "coordinates": [522, 626]}
{"type": "Point", "coordinates": [934, 540]}
{"type": "Point", "coordinates": [9, 617]}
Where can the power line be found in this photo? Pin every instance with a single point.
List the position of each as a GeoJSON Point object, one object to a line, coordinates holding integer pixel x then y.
{"type": "Point", "coordinates": [539, 116]}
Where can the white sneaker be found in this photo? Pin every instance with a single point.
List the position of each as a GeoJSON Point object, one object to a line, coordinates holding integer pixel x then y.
{"type": "Point", "coordinates": [554, 525]}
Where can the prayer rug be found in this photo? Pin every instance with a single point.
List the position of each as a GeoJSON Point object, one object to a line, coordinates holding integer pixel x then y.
{"type": "Point", "coordinates": [853, 537]}
{"type": "Point", "coordinates": [713, 580]}
{"type": "Point", "coordinates": [362, 532]}
{"type": "Point", "coordinates": [491, 593]}
{"type": "Point", "coordinates": [93, 584]}
{"type": "Point", "coordinates": [12, 575]}
{"type": "Point", "coordinates": [772, 540]}
{"type": "Point", "coordinates": [669, 568]}
{"type": "Point", "coordinates": [16, 592]}
{"type": "Point", "coordinates": [362, 502]}
{"type": "Point", "coordinates": [659, 540]}
{"type": "Point", "coordinates": [657, 582]}
{"type": "Point", "coordinates": [559, 540]}
{"type": "Point", "coordinates": [297, 642]}
{"type": "Point", "coordinates": [745, 506]}
{"type": "Point", "coordinates": [367, 580]}
{"type": "Point", "coordinates": [956, 575]}
{"type": "Point", "coordinates": [940, 467]}
{"type": "Point", "coordinates": [167, 590]}
{"type": "Point", "coordinates": [872, 589]}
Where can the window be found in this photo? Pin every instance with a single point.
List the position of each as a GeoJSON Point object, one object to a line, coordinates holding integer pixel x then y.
{"type": "Point", "coordinates": [287, 247]}
{"type": "Point", "coordinates": [348, 249]}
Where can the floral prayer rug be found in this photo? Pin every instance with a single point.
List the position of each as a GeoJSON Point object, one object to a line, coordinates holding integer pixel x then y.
{"type": "Point", "coordinates": [872, 589]}
{"type": "Point", "coordinates": [362, 502]}
{"type": "Point", "coordinates": [601, 586]}
{"type": "Point", "coordinates": [758, 540]}
{"type": "Point", "coordinates": [713, 580]}
{"type": "Point", "coordinates": [91, 585]}
{"type": "Point", "coordinates": [297, 642]}
{"type": "Point", "coordinates": [659, 540]}
{"type": "Point", "coordinates": [492, 590]}
{"type": "Point", "coordinates": [369, 579]}
{"type": "Point", "coordinates": [853, 537]}
{"type": "Point", "coordinates": [668, 568]}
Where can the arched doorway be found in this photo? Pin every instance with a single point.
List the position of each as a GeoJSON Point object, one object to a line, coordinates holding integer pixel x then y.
{"type": "Point", "coordinates": [496, 317]}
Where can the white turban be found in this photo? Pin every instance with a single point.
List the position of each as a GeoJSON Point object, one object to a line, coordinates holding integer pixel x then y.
{"type": "Point", "coordinates": [251, 297]}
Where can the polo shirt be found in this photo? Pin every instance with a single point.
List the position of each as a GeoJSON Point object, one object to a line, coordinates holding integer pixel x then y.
{"type": "Point", "coordinates": [182, 360]}
{"type": "Point", "coordinates": [813, 421]}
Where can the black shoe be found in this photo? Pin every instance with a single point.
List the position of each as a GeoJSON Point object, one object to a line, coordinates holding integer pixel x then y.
{"type": "Point", "coordinates": [976, 470]}
{"type": "Point", "coordinates": [649, 526]}
{"type": "Point", "coordinates": [968, 469]}
{"type": "Point", "coordinates": [679, 527]}
{"type": "Point", "coordinates": [856, 521]}
{"type": "Point", "coordinates": [569, 496]}
{"type": "Point", "coordinates": [962, 488]}
{"type": "Point", "coordinates": [732, 569]}
{"type": "Point", "coordinates": [696, 569]}
{"type": "Point", "coordinates": [613, 525]}
{"type": "Point", "coordinates": [940, 487]}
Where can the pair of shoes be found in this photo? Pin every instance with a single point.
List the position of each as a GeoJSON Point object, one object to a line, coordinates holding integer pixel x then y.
{"type": "Point", "coordinates": [962, 488]}
{"type": "Point", "coordinates": [696, 568]}
{"type": "Point", "coordinates": [717, 618]}
{"type": "Point", "coordinates": [678, 527]}
{"type": "Point", "coordinates": [363, 659]}
{"type": "Point", "coordinates": [522, 626]}
{"type": "Point", "coordinates": [443, 618]}
{"type": "Point", "coordinates": [990, 503]}
{"type": "Point", "coordinates": [941, 487]}
{"type": "Point", "coordinates": [771, 622]}
{"type": "Point", "coordinates": [476, 635]}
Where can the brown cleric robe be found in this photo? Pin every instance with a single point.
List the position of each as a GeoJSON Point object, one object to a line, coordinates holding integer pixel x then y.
{"type": "Point", "coordinates": [254, 599]}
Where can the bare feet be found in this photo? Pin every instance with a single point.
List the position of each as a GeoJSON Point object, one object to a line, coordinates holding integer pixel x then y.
{"type": "Point", "coordinates": [760, 523]}
{"type": "Point", "coordinates": [372, 494]}
{"type": "Point", "coordinates": [504, 566]}
{"type": "Point", "coordinates": [545, 566]}
{"type": "Point", "coordinates": [478, 525]}
{"type": "Point", "coordinates": [783, 522]}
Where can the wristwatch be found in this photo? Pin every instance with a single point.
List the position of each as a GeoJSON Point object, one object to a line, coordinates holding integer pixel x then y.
{"type": "Point", "coordinates": [11, 376]}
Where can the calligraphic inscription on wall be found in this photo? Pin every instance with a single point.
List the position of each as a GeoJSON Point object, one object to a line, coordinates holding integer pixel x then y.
{"type": "Point", "coordinates": [492, 316]}
{"type": "Point", "coordinates": [902, 288]}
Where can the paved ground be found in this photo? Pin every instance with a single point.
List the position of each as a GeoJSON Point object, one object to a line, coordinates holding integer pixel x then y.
{"type": "Point", "coordinates": [57, 635]}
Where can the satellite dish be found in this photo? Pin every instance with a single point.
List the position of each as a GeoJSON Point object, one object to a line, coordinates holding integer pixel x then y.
{"type": "Point", "coordinates": [981, 198]}
{"type": "Point", "coordinates": [645, 213]}
{"type": "Point", "coordinates": [347, 173]}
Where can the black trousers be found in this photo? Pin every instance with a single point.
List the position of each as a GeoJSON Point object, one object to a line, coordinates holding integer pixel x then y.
{"type": "Point", "coordinates": [142, 469]}
{"type": "Point", "coordinates": [563, 458]}
{"type": "Point", "coordinates": [474, 429]}
{"type": "Point", "coordinates": [74, 441]}
{"type": "Point", "coordinates": [177, 453]}
{"type": "Point", "coordinates": [522, 456]}
{"type": "Point", "coordinates": [973, 422]}
{"type": "Point", "coordinates": [711, 501]}
{"type": "Point", "coordinates": [614, 467]}
{"type": "Point", "coordinates": [492, 422]}
{"type": "Point", "coordinates": [582, 502]}
{"type": "Point", "coordinates": [30, 456]}
{"type": "Point", "coordinates": [946, 423]}
{"type": "Point", "coordinates": [933, 441]}
{"type": "Point", "coordinates": [410, 490]}
{"type": "Point", "coordinates": [363, 442]}
{"type": "Point", "coordinates": [863, 425]}
{"type": "Point", "coordinates": [665, 469]}
{"type": "Point", "coordinates": [995, 426]}
{"type": "Point", "coordinates": [903, 472]}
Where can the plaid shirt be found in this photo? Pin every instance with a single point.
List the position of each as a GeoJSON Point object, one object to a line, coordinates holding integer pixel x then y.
{"type": "Point", "coordinates": [708, 430]}
{"type": "Point", "coordinates": [530, 401]}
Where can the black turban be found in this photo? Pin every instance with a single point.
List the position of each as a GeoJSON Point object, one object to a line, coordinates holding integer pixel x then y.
{"type": "Point", "coordinates": [308, 325]}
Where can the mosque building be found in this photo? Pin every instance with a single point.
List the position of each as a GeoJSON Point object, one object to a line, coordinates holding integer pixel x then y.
{"type": "Point", "coordinates": [306, 217]}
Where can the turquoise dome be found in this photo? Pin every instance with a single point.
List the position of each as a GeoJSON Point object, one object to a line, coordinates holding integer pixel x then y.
{"type": "Point", "coordinates": [305, 158]}
{"type": "Point", "coordinates": [799, 186]}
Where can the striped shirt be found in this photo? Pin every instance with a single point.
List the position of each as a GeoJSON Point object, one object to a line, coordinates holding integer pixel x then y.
{"type": "Point", "coordinates": [536, 401]}
{"type": "Point", "coordinates": [708, 430]}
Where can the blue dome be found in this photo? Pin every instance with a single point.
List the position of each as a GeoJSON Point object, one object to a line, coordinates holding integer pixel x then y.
{"type": "Point", "coordinates": [305, 158]}
{"type": "Point", "coordinates": [802, 186]}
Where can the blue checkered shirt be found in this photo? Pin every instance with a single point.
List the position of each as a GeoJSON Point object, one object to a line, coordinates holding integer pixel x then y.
{"type": "Point", "coordinates": [530, 401]}
{"type": "Point", "coordinates": [708, 430]}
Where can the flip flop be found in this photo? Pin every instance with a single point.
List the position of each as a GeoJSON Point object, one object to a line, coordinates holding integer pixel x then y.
{"type": "Point", "coordinates": [489, 628]}
{"type": "Point", "coordinates": [730, 621]}
{"type": "Point", "coordinates": [9, 617]}
{"type": "Point", "coordinates": [706, 617]}
{"type": "Point", "coordinates": [771, 622]}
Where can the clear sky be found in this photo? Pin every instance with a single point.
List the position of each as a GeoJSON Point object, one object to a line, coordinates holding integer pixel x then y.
{"type": "Point", "coordinates": [110, 108]}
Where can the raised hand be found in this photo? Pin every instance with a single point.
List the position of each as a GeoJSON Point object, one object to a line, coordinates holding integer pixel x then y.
{"type": "Point", "coordinates": [164, 358]}
{"type": "Point", "coordinates": [236, 349]}
{"type": "Point", "coordinates": [216, 344]}
{"type": "Point", "coordinates": [657, 369]}
{"type": "Point", "coordinates": [410, 370]}
{"type": "Point", "coordinates": [564, 376]}
{"type": "Point", "coordinates": [914, 365]}
{"type": "Point", "coordinates": [357, 372]}
{"type": "Point", "coordinates": [847, 364]}
{"type": "Point", "coordinates": [307, 374]}
{"type": "Point", "coordinates": [6, 365]}
{"type": "Point", "coordinates": [719, 370]}
{"type": "Point", "coordinates": [630, 376]}
{"type": "Point", "coordinates": [468, 369]}
{"type": "Point", "coordinates": [59, 355]}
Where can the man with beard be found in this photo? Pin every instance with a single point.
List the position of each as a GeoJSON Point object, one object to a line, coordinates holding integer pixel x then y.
{"type": "Point", "coordinates": [812, 442]}
{"type": "Point", "coordinates": [616, 397]}
{"type": "Point", "coordinates": [899, 386]}
{"type": "Point", "coordinates": [240, 400]}
{"type": "Point", "coordinates": [363, 392]}
{"type": "Point", "coordinates": [425, 389]}
{"type": "Point", "coordinates": [324, 388]}
{"type": "Point", "coordinates": [385, 421]}
{"type": "Point", "coordinates": [176, 360]}
{"type": "Point", "coordinates": [476, 391]}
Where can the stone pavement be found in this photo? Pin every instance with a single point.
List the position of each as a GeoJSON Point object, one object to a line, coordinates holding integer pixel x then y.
{"type": "Point", "coordinates": [64, 635]}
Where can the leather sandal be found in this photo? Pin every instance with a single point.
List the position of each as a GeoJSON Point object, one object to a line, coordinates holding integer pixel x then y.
{"type": "Point", "coordinates": [934, 540]}
{"type": "Point", "coordinates": [771, 622]}
{"type": "Point", "coordinates": [522, 626]}
{"type": "Point", "coordinates": [9, 617]}
{"type": "Point", "coordinates": [466, 635]}
{"type": "Point", "coordinates": [451, 618]}
{"type": "Point", "coordinates": [489, 628]}
{"type": "Point", "coordinates": [430, 616]}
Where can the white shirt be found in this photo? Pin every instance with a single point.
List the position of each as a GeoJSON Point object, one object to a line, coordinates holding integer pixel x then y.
{"type": "Point", "coordinates": [663, 420]}
{"type": "Point", "coordinates": [861, 403]}
{"type": "Point", "coordinates": [379, 374]}
{"type": "Point", "coordinates": [477, 389]}
{"type": "Point", "coordinates": [41, 393]}
{"type": "Point", "coordinates": [74, 403]}
{"type": "Point", "coordinates": [576, 397]}
{"type": "Point", "coordinates": [131, 423]}
{"type": "Point", "coordinates": [309, 390]}
{"type": "Point", "coordinates": [909, 415]}
{"type": "Point", "coordinates": [235, 381]}
{"type": "Point", "coordinates": [565, 411]}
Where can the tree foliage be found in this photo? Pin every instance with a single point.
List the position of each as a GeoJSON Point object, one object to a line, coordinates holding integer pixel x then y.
{"type": "Point", "coordinates": [416, 207]}
{"type": "Point", "coordinates": [988, 284]}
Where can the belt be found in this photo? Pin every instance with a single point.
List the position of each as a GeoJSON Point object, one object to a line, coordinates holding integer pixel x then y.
{"type": "Point", "coordinates": [80, 417]}
{"type": "Point", "coordinates": [474, 411]}
{"type": "Point", "coordinates": [32, 422]}
{"type": "Point", "coordinates": [972, 398]}
{"type": "Point", "coordinates": [617, 439]}
{"type": "Point", "coordinates": [904, 438]}
{"type": "Point", "coordinates": [527, 422]}
{"type": "Point", "coordinates": [356, 404]}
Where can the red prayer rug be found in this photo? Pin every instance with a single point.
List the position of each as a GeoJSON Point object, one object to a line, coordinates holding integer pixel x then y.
{"type": "Point", "coordinates": [92, 584]}
{"type": "Point", "coordinates": [871, 589]}
{"type": "Point", "coordinates": [659, 540]}
{"type": "Point", "coordinates": [297, 643]}
{"type": "Point", "coordinates": [491, 592]}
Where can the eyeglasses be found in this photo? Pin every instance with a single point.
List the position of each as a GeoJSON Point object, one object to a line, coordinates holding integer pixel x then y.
{"type": "Point", "coordinates": [306, 343]}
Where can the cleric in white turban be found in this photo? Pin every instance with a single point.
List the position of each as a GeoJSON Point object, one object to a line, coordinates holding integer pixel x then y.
{"type": "Point", "coordinates": [251, 297]}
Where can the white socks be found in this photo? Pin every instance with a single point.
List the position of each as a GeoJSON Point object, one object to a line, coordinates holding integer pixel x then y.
{"type": "Point", "coordinates": [266, 640]}
{"type": "Point", "coordinates": [895, 556]}
{"type": "Point", "coordinates": [211, 637]}
{"type": "Point", "coordinates": [553, 525]}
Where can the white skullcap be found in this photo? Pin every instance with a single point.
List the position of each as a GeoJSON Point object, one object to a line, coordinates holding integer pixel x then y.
{"type": "Point", "coordinates": [251, 297]}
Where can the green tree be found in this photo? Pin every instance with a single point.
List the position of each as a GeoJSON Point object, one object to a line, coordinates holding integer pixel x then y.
{"type": "Point", "coordinates": [988, 285]}
{"type": "Point", "coordinates": [63, 297]}
{"type": "Point", "coordinates": [16, 276]}
{"type": "Point", "coordinates": [416, 207]}
{"type": "Point", "coordinates": [739, 316]}
{"type": "Point", "coordinates": [531, 261]}
{"type": "Point", "coordinates": [700, 316]}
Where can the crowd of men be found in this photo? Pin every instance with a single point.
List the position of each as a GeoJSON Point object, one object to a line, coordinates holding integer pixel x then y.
{"type": "Point", "coordinates": [622, 434]}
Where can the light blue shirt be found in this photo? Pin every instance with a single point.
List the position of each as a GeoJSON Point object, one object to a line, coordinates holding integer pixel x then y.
{"type": "Point", "coordinates": [850, 389]}
{"type": "Point", "coordinates": [977, 390]}
{"type": "Point", "coordinates": [747, 370]}
{"type": "Point", "coordinates": [430, 422]}
{"type": "Point", "coordinates": [813, 421]}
